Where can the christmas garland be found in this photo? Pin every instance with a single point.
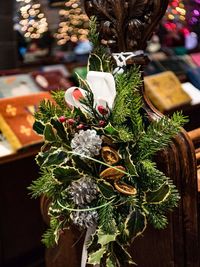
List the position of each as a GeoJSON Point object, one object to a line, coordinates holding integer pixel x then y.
{"type": "Point", "coordinates": [97, 160]}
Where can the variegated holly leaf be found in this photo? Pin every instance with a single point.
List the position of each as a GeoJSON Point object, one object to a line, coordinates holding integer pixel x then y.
{"type": "Point", "coordinates": [106, 189]}
{"type": "Point", "coordinates": [42, 156]}
{"type": "Point", "coordinates": [83, 84]}
{"type": "Point", "coordinates": [110, 262]}
{"type": "Point", "coordinates": [80, 164]}
{"type": "Point", "coordinates": [60, 130]}
{"type": "Point", "coordinates": [38, 127]}
{"type": "Point", "coordinates": [50, 157]}
{"type": "Point", "coordinates": [122, 256]}
{"type": "Point", "coordinates": [49, 133]}
{"type": "Point", "coordinates": [129, 163]}
{"type": "Point", "coordinates": [94, 63]}
{"type": "Point", "coordinates": [158, 196]}
{"type": "Point", "coordinates": [135, 224]}
{"type": "Point", "coordinates": [65, 174]}
{"type": "Point", "coordinates": [104, 239]}
{"type": "Point", "coordinates": [95, 257]}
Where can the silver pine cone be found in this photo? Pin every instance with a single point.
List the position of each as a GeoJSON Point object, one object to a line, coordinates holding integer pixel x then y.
{"type": "Point", "coordinates": [83, 191]}
{"type": "Point", "coordinates": [87, 143]}
{"type": "Point", "coordinates": [84, 219]}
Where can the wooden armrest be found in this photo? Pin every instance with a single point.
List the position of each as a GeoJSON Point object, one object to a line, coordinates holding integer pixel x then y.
{"type": "Point", "coordinates": [198, 176]}
{"type": "Point", "coordinates": [194, 135]}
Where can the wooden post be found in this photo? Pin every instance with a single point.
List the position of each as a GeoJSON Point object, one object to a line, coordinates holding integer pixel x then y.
{"type": "Point", "coordinates": [8, 45]}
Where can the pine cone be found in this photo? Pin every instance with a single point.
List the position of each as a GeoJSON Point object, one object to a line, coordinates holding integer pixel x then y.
{"type": "Point", "coordinates": [84, 219]}
{"type": "Point", "coordinates": [87, 143]}
{"type": "Point", "coordinates": [83, 191]}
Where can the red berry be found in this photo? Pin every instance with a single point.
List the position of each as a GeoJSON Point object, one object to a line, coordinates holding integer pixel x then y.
{"type": "Point", "coordinates": [102, 123]}
{"type": "Point", "coordinates": [71, 121]}
{"type": "Point", "coordinates": [80, 127]}
{"type": "Point", "coordinates": [102, 110]}
{"type": "Point", "coordinates": [62, 119]}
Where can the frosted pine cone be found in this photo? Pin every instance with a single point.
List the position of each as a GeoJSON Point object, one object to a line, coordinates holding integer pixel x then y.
{"type": "Point", "coordinates": [87, 143]}
{"type": "Point", "coordinates": [84, 219]}
{"type": "Point", "coordinates": [83, 191]}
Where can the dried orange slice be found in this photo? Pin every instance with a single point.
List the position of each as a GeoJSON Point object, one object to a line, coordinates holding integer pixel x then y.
{"type": "Point", "coordinates": [125, 188]}
{"type": "Point", "coordinates": [109, 155]}
{"type": "Point", "coordinates": [113, 173]}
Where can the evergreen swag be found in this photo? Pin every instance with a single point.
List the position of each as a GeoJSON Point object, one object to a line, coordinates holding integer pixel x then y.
{"type": "Point", "coordinates": [131, 192]}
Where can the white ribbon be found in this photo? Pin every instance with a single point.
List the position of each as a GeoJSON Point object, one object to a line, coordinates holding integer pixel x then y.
{"type": "Point", "coordinates": [122, 58]}
{"type": "Point", "coordinates": [89, 233]}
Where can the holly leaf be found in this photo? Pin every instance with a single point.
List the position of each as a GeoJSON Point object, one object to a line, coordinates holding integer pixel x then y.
{"type": "Point", "coordinates": [78, 113]}
{"type": "Point", "coordinates": [95, 257]}
{"type": "Point", "coordinates": [129, 163]}
{"type": "Point", "coordinates": [158, 196]}
{"type": "Point", "coordinates": [110, 262]}
{"type": "Point", "coordinates": [42, 156]}
{"type": "Point", "coordinates": [83, 83]}
{"type": "Point", "coordinates": [104, 239]}
{"type": "Point", "coordinates": [122, 255]}
{"type": "Point", "coordinates": [111, 130]}
{"type": "Point", "coordinates": [38, 127]}
{"type": "Point", "coordinates": [135, 224]}
{"type": "Point", "coordinates": [94, 63]}
{"type": "Point", "coordinates": [56, 158]}
{"type": "Point", "coordinates": [106, 189]}
{"type": "Point", "coordinates": [49, 133]}
{"type": "Point", "coordinates": [60, 130]}
{"type": "Point", "coordinates": [65, 174]}
{"type": "Point", "coordinates": [80, 164]}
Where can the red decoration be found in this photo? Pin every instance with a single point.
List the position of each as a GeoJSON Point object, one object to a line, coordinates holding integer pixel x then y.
{"type": "Point", "coordinates": [71, 121]}
{"type": "Point", "coordinates": [102, 110]}
{"type": "Point", "coordinates": [102, 123]}
{"type": "Point", "coordinates": [81, 127]}
{"type": "Point", "coordinates": [62, 119]}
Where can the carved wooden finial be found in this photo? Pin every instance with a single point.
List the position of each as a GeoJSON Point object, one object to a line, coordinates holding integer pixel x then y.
{"type": "Point", "coordinates": [126, 25]}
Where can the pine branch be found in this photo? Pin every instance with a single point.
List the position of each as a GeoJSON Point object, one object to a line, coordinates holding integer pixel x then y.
{"type": "Point", "coordinates": [157, 219]}
{"type": "Point", "coordinates": [46, 111]}
{"type": "Point", "coordinates": [98, 49]}
{"type": "Point", "coordinates": [45, 184]}
{"type": "Point", "coordinates": [106, 219]}
{"type": "Point", "coordinates": [157, 213]}
{"type": "Point", "coordinates": [159, 134]}
{"type": "Point", "coordinates": [126, 111]}
{"type": "Point", "coordinates": [152, 180]}
{"type": "Point", "coordinates": [48, 237]}
{"type": "Point", "coordinates": [152, 177]}
{"type": "Point", "coordinates": [93, 35]}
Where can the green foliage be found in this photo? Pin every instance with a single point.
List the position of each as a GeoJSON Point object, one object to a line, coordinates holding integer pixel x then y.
{"type": "Point", "coordinates": [154, 180]}
{"type": "Point", "coordinates": [122, 216]}
{"type": "Point", "coordinates": [135, 224]}
{"type": "Point", "coordinates": [98, 49]}
{"type": "Point", "coordinates": [159, 134]}
{"type": "Point", "coordinates": [45, 185]}
{"type": "Point", "coordinates": [49, 236]}
{"type": "Point", "coordinates": [107, 220]}
{"type": "Point", "coordinates": [59, 97]}
{"type": "Point", "coordinates": [126, 112]}
{"type": "Point", "coordinates": [46, 111]}
{"type": "Point", "coordinates": [95, 63]}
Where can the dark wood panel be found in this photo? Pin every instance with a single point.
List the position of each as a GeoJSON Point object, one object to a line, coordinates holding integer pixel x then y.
{"type": "Point", "coordinates": [21, 224]}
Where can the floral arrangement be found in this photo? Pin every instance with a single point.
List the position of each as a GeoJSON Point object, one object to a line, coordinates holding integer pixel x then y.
{"type": "Point", "coordinates": [97, 162]}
